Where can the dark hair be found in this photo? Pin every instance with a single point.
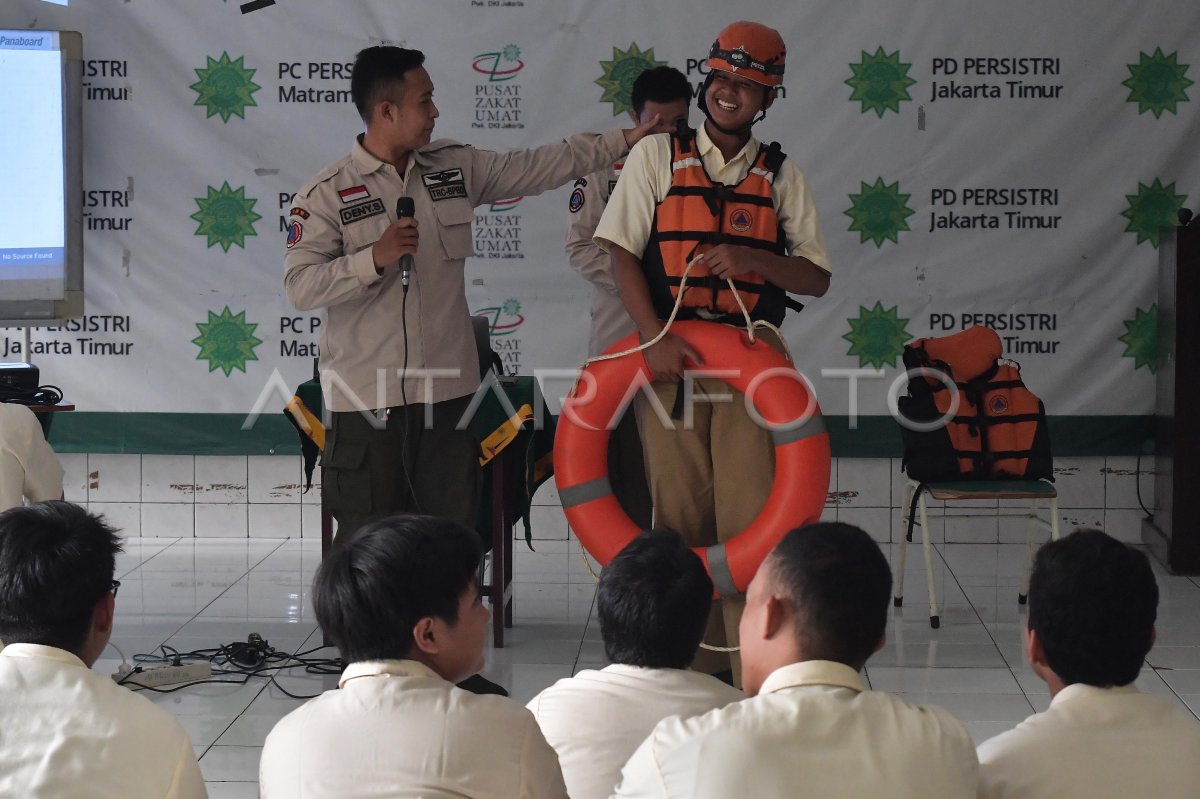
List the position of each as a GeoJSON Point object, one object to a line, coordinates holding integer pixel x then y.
{"type": "Point", "coordinates": [840, 584]}
{"type": "Point", "coordinates": [370, 592]}
{"type": "Point", "coordinates": [56, 562]}
{"type": "Point", "coordinates": [659, 85]}
{"type": "Point", "coordinates": [377, 70]}
{"type": "Point", "coordinates": [653, 602]}
{"type": "Point", "coordinates": [1092, 601]}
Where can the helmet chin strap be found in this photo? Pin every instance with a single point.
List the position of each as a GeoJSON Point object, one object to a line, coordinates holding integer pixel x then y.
{"type": "Point", "coordinates": [702, 103]}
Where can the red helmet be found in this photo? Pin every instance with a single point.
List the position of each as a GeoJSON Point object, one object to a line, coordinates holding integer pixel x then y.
{"type": "Point", "coordinates": [751, 50]}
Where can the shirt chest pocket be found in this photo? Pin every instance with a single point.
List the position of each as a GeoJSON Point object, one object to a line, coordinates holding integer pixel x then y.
{"type": "Point", "coordinates": [362, 233]}
{"type": "Point", "coordinates": [454, 218]}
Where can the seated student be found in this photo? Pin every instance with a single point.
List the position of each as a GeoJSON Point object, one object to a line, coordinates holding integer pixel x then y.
{"type": "Point", "coordinates": [653, 602]}
{"type": "Point", "coordinates": [815, 611]}
{"type": "Point", "coordinates": [401, 603]}
{"type": "Point", "coordinates": [66, 731]}
{"type": "Point", "coordinates": [28, 468]}
{"type": "Point", "coordinates": [1092, 604]}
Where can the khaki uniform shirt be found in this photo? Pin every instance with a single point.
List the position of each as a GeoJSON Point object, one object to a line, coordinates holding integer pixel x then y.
{"type": "Point", "coordinates": [339, 215]}
{"type": "Point", "coordinates": [646, 178]}
{"type": "Point", "coordinates": [812, 732]}
{"type": "Point", "coordinates": [610, 320]}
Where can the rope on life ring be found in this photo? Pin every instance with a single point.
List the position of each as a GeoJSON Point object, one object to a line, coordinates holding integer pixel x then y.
{"type": "Point", "coordinates": [781, 396]}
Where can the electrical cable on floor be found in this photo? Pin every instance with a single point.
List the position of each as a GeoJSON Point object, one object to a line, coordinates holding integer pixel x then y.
{"type": "Point", "coordinates": [240, 660]}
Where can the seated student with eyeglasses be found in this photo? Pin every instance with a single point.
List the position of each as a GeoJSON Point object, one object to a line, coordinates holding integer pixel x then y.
{"type": "Point", "coordinates": [66, 731]}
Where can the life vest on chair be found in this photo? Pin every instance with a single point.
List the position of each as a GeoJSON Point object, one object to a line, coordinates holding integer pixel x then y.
{"type": "Point", "coordinates": [697, 214]}
{"type": "Point", "coordinates": [997, 431]}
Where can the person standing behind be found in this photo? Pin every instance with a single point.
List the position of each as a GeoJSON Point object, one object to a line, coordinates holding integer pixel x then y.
{"type": "Point", "coordinates": [401, 603]}
{"type": "Point", "coordinates": [652, 602]}
{"type": "Point", "coordinates": [65, 730]}
{"type": "Point", "coordinates": [665, 93]}
{"type": "Point", "coordinates": [1092, 605]}
{"type": "Point", "coordinates": [732, 209]}
{"type": "Point", "coordinates": [815, 612]}
{"type": "Point", "coordinates": [28, 467]}
{"type": "Point", "coordinates": [395, 443]}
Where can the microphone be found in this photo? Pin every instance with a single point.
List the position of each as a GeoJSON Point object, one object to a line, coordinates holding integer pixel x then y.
{"type": "Point", "coordinates": [405, 208]}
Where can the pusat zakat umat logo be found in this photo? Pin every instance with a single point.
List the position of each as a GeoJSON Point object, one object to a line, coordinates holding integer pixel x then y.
{"type": "Point", "coordinates": [506, 318]}
{"type": "Point", "coordinates": [621, 72]}
{"type": "Point", "coordinates": [500, 66]}
{"type": "Point", "coordinates": [225, 87]}
{"type": "Point", "coordinates": [1153, 208]}
{"type": "Point", "coordinates": [879, 212]}
{"type": "Point", "coordinates": [505, 206]}
{"type": "Point", "coordinates": [877, 336]}
{"type": "Point", "coordinates": [1157, 83]}
{"type": "Point", "coordinates": [226, 216]}
{"type": "Point", "coordinates": [1141, 339]}
{"type": "Point", "coordinates": [226, 341]}
{"type": "Point", "coordinates": [880, 81]}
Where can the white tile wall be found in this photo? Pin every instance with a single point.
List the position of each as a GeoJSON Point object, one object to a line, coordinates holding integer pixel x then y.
{"type": "Point", "coordinates": [260, 497]}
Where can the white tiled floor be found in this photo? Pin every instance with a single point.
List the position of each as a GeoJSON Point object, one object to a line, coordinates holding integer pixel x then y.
{"type": "Point", "coordinates": [195, 593]}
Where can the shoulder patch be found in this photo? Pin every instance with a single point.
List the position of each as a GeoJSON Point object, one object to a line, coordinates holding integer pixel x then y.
{"type": "Point", "coordinates": [575, 205]}
{"type": "Point", "coordinates": [298, 211]}
{"type": "Point", "coordinates": [295, 232]}
{"type": "Point", "coordinates": [580, 182]}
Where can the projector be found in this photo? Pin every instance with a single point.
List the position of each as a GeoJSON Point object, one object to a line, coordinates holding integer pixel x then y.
{"type": "Point", "coordinates": [18, 376]}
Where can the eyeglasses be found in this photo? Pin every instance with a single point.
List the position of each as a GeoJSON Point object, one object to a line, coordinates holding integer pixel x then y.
{"type": "Point", "coordinates": [116, 584]}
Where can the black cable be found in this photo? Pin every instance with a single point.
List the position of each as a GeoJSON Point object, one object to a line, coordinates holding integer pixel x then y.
{"type": "Point", "coordinates": [1137, 477]}
{"type": "Point", "coordinates": [42, 395]}
{"type": "Point", "coordinates": [404, 401]}
{"type": "Point", "coordinates": [240, 660]}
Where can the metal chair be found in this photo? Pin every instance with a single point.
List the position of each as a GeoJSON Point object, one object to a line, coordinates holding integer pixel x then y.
{"type": "Point", "coordinates": [1037, 491]}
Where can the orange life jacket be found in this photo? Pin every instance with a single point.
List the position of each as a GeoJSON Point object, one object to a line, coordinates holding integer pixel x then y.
{"type": "Point", "coordinates": [999, 428]}
{"type": "Point", "coordinates": [697, 214]}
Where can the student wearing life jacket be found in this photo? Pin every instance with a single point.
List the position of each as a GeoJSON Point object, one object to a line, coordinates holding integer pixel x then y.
{"type": "Point", "coordinates": [662, 92]}
{"type": "Point", "coordinates": [735, 209]}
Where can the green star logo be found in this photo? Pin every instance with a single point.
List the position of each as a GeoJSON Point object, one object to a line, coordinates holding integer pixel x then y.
{"type": "Point", "coordinates": [511, 307]}
{"type": "Point", "coordinates": [226, 216]}
{"type": "Point", "coordinates": [621, 72]}
{"type": "Point", "coordinates": [1153, 208]}
{"type": "Point", "coordinates": [880, 81]}
{"type": "Point", "coordinates": [227, 341]}
{"type": "Point", "coordinates": [225, 87]}
{"type": "Point", "coordinates": [879, 212]}
{"type": "Point", "coordinates": [1157, 83]}
{"type": "Point", "coordinates": [877, 336]}
{"type": "Point", "coordinates": [1141, 339]}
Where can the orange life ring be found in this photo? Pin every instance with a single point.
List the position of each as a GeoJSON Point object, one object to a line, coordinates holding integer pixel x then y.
{"type": "Point", "coordinates": [802, 458]}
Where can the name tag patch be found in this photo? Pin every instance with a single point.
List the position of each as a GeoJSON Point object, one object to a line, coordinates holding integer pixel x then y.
{"type": "Point", "coordinates": [356, 213]}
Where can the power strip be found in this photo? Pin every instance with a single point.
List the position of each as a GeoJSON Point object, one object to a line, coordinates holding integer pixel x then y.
{"type": "Point", "coordinates": [164, 675]}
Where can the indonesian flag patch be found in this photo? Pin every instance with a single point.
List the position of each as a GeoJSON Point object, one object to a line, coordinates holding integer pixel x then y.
{"type": "Point", "coordinates": [354, 194]}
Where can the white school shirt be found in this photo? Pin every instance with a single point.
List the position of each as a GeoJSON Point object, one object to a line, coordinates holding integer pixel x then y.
{"type": "Point", "coordinates": [812, 732]}
{"type": "Point", "coordinates": [395, 728]}
{"type": "Point", "coordinates": [66, 731]}
{"type": "Point", "coordinates": [596, 719]}
{"type": "Point", "coordinates": [28, 467]}
{"type": "Point", "coordinates": [1096, 743]}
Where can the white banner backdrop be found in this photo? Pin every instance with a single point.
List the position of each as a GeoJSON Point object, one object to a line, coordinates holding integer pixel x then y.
{"type": "Point", "coordinates": [973, 162]}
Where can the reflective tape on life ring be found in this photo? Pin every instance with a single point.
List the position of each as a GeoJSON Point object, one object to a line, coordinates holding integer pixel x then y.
{"type": "Point", "coordinates": [781, 397]}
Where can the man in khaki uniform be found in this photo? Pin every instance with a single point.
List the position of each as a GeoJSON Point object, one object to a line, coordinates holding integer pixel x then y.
{"type": "Point", "coordinates": [663, 92]}
{"type": "Point", "coordinates": [710, 480]}
{"type": "Point", "coordinates": [397, 370]}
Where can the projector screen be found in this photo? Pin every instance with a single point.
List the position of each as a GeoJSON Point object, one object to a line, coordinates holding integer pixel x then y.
{"type": "Point", "coordinates": [41, 237]}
